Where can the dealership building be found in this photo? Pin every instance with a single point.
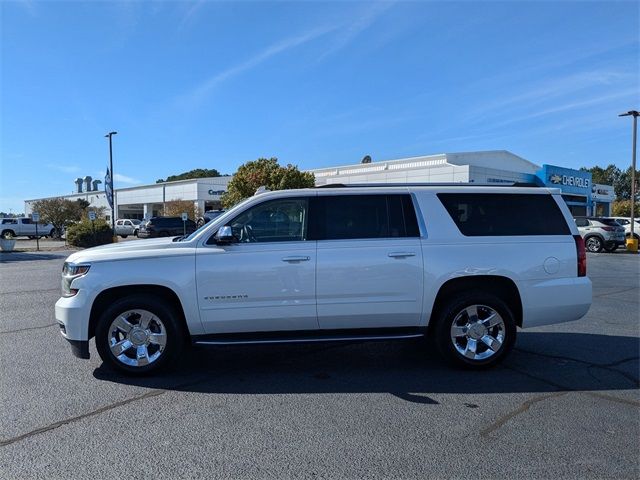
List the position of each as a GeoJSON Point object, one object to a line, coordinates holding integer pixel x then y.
{"type": "Point", "coordinates": [487, 167]}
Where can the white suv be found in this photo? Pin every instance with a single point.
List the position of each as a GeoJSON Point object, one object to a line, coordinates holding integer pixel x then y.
{"type": "Point", "coordinates": [464, 265]}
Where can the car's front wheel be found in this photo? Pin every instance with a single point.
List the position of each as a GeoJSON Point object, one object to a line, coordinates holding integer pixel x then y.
{"type": "Point", "coordinates": [475, 330]}
{"type": "Point", "coordinates": [139, 334]}
{"type": "Point", "coordinates": [611, 247]}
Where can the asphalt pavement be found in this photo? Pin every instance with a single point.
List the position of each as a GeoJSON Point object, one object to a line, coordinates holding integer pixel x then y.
{"type": "Point", "coordinates": [565, 404]}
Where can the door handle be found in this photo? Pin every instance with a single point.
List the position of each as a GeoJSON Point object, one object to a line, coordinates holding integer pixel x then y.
{"type": "Point", "coordinates": [402, 254]}
{"type": "Point", "coordinates": [296, 259]}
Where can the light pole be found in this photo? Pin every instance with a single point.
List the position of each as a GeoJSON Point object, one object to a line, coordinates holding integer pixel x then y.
{"type": "Point", "coordinates": [113, 192]}
{"type": "Point", "coordinates": [634, 114]}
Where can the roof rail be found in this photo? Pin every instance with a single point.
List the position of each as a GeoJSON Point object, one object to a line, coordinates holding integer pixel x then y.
{"type": "Point", "coordinates": [427, 184]}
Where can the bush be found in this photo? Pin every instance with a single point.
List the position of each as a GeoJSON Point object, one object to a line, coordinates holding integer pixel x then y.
{"type": "Point", "coordinates": [83, 234]}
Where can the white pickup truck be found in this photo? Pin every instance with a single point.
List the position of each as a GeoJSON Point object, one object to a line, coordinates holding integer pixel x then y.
{"type": "Point", "coordinates": [24, 227]}
{"type": "Point", "coordinates": [464, 265]}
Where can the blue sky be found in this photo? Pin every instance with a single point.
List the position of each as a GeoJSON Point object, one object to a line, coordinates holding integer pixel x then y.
{"type": "Point", "coordinates": [214, 84]}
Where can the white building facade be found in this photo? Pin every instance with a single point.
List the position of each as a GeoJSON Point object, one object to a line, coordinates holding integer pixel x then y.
{"type": "Point", "coordinates": [146, 201]}
{"type": "Point", "coordinates": [470, 167]}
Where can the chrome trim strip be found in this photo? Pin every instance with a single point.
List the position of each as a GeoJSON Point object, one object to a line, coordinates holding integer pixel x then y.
{"type": "Point", "coordinates": [307, 340]}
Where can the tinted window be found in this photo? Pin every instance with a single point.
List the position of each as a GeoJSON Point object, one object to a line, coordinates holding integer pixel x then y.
{"type": "Point", "coordinates": [282, 220]}
{"type": "Point", "coordinates": [343, 217]}
{"type": "Point", "coordinates": [608, 221]}
{"type": "Point", "coordinates": [582, 222]}
{"type": "Point", "coordinates": [26, 221]}
{"type": "Point", "coordinates": [498, 214]}
{"type": "Point", "coordinates": [9, 221]}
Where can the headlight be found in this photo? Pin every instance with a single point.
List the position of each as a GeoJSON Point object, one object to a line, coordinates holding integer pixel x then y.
{"type": "Point", "coordinates": [69, 273]}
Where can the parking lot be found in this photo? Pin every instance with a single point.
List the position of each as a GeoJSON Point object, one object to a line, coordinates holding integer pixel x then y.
{"type": "Point", "coordinates": [565, 404]}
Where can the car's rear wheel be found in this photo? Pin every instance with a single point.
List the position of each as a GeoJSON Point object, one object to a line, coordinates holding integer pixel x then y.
{"type": "Point", "coordinates": [124, 236]}
{"type": "Point", "coordinates": [593, 244]}
{"type": "Point", "coordinates": [139, 334]}
{"type": "Point", "coordinates": [475, 330]}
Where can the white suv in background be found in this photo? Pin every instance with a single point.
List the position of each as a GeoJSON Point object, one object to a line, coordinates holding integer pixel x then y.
{"type": "Point", "coordinates": [600, 233]}
{"type": "Point", "coordinates": [626, 223]}
{"type": "Point", "coordinates": [465, 265]}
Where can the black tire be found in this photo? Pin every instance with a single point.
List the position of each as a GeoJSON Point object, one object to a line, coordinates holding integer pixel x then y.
{"type": "Point", "coordinates": [163, 234]}
{"type": "Point", "coordinates": [135, 233]}
{"type": "Point", "coordinates": [454, 308]}
{"type": "Point", "coordinates": [32, 237]}
{"type": "Point", "coordinates": [124, 236]}
{"type": "Point", "coordinates": [594, 244]}
{"type": "Point", "coordinates": [52, 233]}
{"type": "Point", "coordinates": [166, 313]}
{"type": "Point", "coordinates": [610, 247]}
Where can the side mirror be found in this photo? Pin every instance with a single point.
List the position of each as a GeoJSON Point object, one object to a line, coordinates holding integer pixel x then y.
{"type": "Point", "coordinates": [224, 236]}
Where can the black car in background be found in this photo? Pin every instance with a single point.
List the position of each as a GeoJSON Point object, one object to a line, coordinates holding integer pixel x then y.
{"type": "Point", "coordinates": [166, 227]}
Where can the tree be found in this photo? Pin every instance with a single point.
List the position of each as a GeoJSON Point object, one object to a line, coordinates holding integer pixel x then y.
{"type": "Point", "coordinates": [59, 212]}
{"type": "Point", "coordinates": [612, 175]}
{"type": "Point", "coordinates": [264, 172]}
{"type": "Point", "coordinates": [622, 208]}
{"type": "Point", "coordinates": [196, 173]}
{"type": "Point", "coordinates": [175, 208]}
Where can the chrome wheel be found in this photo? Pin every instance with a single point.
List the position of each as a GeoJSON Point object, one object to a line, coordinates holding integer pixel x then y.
{"type": "Point", "coordinates": [137, 338]}
{"type": "Point", "coordinates": [478, 332]}
{"type": "Point", "coordinates": [594, 244]}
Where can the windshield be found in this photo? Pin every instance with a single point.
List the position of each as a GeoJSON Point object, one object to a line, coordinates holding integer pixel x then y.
{"type": "Point", "coordinates": [217, 221]}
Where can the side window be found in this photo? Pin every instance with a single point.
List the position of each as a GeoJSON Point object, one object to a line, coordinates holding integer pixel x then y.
{"type": "Point", "coordinates": [9, 221]}
{"type": "Point", "coordinates": [119, 222]}
{"type": "Point", "coordinates": [342, 217]}
{"type": "Point", "coordinates": [26, 221]}
{"type": "Point", "coordinates": [582, 222]}
{"type": "Point", "coordinates": [504, 214]}
{"type": "Point", "coordinates": [282, 220]}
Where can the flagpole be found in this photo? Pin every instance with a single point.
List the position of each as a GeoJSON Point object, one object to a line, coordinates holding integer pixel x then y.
{"type": "Point", "coordinates": [113, 192]}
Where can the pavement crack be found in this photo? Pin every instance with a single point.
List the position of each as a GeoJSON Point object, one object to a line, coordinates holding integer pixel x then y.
{"type": "Point", "coordinates": [514, 413]}
{"type": "Point", "coordinates": [37, 431]}
{"type": "Point", "coordinates": [28, 329]}
{"type": "Point", "coordinates": [624, 401]}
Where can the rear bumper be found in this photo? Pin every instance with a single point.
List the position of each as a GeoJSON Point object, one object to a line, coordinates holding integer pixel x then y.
{"type": "Point", "coordinates": [555, 301]}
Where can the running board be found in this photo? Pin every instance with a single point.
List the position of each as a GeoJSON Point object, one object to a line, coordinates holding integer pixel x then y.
{"type": "Point", "coordinates": [308, 337]}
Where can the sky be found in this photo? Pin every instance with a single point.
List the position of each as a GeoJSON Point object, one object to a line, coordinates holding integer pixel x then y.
{"type": "Point", "coordinates": [209, 84]}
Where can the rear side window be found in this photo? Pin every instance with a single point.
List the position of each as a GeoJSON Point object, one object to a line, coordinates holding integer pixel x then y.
{"type": "Point", "coordinates": [343, 217]}
{"type": "Point", "coordinates": [582, 222]}
{"type": "Point", "coordinates": [503, 214]}
{"type": "Point", "coordinates": [608, 221]}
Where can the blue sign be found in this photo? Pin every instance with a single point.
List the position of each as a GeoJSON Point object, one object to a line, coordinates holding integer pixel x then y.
{"type": "Point", "coordinates": [568, 180]}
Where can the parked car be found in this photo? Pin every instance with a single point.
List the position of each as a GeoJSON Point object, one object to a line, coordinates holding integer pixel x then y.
{"type": "Point", "coordinates": [464, 265]}
{"type": "Point", "coordinates": [626, 223]}
{"type": "Point", "coordinates": [127, 226]}
{"type": "Point", "coordinates": [25, 227]}
{"type": "Point", "coordinates": [600, 233]}
{"type": "Point", "coordinates": [165, 227]}
{"type": "Point", "coordinates": [208, 216]}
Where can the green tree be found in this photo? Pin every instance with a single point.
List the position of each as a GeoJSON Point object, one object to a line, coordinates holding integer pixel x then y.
{"type": "Point", "coordinates": [622, 208]}
{"type": "Point", "coordinates": [59, 212]}
{"type": "Point", "coordinates": [605, 176]}
{"type": "Point", "coordinates": [623, 186]}
{"type": "Point", "coordinates": [196, 173]}
{"type": "Point", "coordinates": [264, 172]}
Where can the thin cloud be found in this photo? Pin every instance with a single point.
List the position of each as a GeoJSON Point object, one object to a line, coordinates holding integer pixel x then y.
{"type": "Point", "coordinates": [118, 177]}
{"type": "Point", "coordinates": [355, 28]}
{"type": "Point", "coordinates": [64, 168]}
{"type": "Point", "coordinates": [205, 88]}
{"type": "Point", "coordinates": [193, 9]}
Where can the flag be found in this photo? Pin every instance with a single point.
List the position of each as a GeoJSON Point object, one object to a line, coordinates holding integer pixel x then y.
{"type": "Point", "coordinates": [108, 188]}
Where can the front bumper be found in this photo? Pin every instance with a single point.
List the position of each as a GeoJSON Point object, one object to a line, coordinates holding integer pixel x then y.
{"type": "Point", "coordinates": [72, 314]}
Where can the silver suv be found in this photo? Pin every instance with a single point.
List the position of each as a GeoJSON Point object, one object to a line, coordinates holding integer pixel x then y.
{"type": "Point", "coordinates": [600, 233]}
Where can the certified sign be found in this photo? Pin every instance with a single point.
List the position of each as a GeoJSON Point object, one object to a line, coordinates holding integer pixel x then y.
{"type": "Point", "coordinates": [92, 215]}
{"type": "Point", "coordinates": [35, 217]}
{"type": "Point", "coordinates": [185, 217]}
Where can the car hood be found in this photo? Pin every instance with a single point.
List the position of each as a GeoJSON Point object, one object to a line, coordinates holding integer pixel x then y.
{"type": "Point", "coordinates": [133, 249]}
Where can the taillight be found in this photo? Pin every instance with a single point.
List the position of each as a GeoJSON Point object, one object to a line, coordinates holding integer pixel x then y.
{"type": "Point", "coordinates": [608, 229]}
{"type": "Point", "coordinates": [582, 256]}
